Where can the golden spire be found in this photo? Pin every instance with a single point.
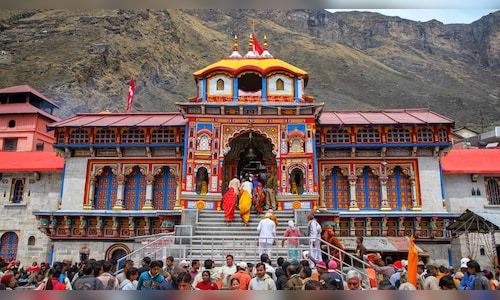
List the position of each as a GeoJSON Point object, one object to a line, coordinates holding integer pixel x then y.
{"type": "Point", "coordinates": [265, 43]}
{"type": "Point", "coordinates": [235, 44]}
{"type": "Point", "coordinates": [250, 43]}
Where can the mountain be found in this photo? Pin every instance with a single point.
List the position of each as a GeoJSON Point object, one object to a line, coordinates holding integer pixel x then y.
{"type": "Point", "coordinates": [83, 60]}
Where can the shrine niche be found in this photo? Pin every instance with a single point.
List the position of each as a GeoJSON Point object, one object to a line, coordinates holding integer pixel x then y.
{"type": "Point", "coordinates": [297, 175]}
{"type": "Point", "coordinates": [202, 181]}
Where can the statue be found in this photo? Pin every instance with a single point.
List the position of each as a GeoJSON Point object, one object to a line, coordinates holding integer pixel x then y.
{"type": "Point", "coordinates": [271, 185]}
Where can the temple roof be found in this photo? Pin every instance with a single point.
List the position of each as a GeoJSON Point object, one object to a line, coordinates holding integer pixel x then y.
{"type": "Point", "coordinates": [30, 161]}
{"type": "Point", "coordinates": [470, 161]}
{"type": "Point", "coordinates": [24, 108]}
{"type": "Point", "coordinates": [261, 65]}
{"type": "Point", "coordinates": [121, 120]}
{"type": "Point", "coordinates": [19, 89]}
{"type": "Point", "coordinates": [383, 117]}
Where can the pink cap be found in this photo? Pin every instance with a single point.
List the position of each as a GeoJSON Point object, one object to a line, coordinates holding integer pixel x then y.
{"type": "Point", "coordinates": [332, 265]}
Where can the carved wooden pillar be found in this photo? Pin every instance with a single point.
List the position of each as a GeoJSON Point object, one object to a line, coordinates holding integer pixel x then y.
{"type": "Point", "coordinates": [384, 226]}
{"type": "Point", "coordinates": [83, 226]}
{"type": "Point", "coordinates": [91, 196]}
{"type": "Point", "coordinates": [353, 205]}
{"type": "Point", "coordinates": [414, 199]}
{"type": "Point", "coordinates": [336, 225]}
{"type": "Point", "coordinates": [148, 205]}
{"type": "Point", "coordinates": [352, 227]}
{"type": "Point", "coordinates": [433, 226]}
{"type": "Point", "coordinates": [99, 226]}
{"type": "Point", "coordinates": [67, 225]}
{"type": "Point", "coordinates": [131, 226]}
{"type": "Point", "coordinates": [401, 226]}
{"type": "Point", "coordinates": [416, 226]}
{"type": "Point", "coordinates": [368, 227]}
{"type": "Point", "coordinates": [120, 192]}
{"type": "Point", "coordinates": [384, 204]}
{"type": "Point", "coordinates": [115, 226]}
{"type": "Point", "coordinates": [147, 226]}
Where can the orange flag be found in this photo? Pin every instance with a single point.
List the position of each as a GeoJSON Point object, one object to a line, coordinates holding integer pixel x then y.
{"type": "Point", "coordinates": [412, 262]}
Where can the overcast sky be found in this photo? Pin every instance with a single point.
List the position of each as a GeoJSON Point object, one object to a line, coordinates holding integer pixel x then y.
{"type": "Point", "coordinates": [446, 16]}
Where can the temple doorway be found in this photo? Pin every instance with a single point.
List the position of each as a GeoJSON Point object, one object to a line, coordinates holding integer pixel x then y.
{"type": "Point", "coordinates": [251, 155]}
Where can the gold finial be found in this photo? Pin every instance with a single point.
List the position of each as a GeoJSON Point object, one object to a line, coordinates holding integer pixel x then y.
{"type": "Point", "coordinates": [250, 43]}
{"type": "Point", "coordinates": [265, 42]}
{"type": "Point", "coordinates": [235, 44]}
{"type": "Point", "coordinates": [252, 25]}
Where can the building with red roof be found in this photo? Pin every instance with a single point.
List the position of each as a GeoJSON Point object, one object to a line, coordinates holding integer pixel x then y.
{"type": "Point", "coordinates": [30, 172]}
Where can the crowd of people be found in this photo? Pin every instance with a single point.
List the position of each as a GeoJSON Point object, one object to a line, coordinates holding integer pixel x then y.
{"type": "Point", "coordinates": [287, 274]}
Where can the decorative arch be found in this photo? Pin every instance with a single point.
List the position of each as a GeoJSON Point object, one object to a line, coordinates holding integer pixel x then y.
{"type": "Point", "coordinates": [117, 251]}
{"type": "Point", "coordinates": [204, 142]}
{"type": "Point", "coordinates": [297, 174]}
{"type": "Point", "coordinates": [241, 131]}
{"type": "Point", "coordinates": [8, 245]}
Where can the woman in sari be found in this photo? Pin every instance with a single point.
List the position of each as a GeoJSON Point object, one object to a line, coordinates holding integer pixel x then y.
{"type": "Point", "coordinates": [245, 201]}
{"type": "Point", "coordinates": [259, 198]}
{"type": "Point", "coordinates": [229, 199]}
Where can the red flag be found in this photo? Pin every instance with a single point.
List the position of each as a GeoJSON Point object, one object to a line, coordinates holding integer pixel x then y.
{"type": "Point", "coordinates": [131, 90]}
{"type": "Point", "coordinates": [256, 45]}
{"type": "Point", "coordinates": [412, 262]}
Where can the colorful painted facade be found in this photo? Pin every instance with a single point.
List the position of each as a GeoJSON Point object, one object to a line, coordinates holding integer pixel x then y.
{"type": "Point", "coordinates": [371, 173]}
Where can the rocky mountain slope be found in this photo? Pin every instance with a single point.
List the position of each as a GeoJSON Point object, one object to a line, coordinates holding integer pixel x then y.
{"type": "Point", "coordinates": [83, 60]}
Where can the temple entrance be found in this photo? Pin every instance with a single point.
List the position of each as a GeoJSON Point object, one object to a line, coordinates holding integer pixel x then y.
{"type": "Point", "coordinates": [251, 155]}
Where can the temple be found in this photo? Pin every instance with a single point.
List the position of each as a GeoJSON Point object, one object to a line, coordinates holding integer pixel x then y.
{"type": "Point", "coordinates": [370, 173]}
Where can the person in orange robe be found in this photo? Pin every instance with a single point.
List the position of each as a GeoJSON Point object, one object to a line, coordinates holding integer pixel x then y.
{"type": "Point", "coordinates": [330, 237]}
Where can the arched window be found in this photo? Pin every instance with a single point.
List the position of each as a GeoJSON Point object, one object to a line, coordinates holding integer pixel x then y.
{"type": "Point", "coordinates": [31, 241]}
{"type": "Point", "coordinates": [398, 135]}
{"type": "Point", "coordinates": [79, 136]}
{"type": "Point", "coordinates": [204, 142]}
{"type": "Point", "coordinates": [280, 85]}
{"type": "Point", "coordinates": [18, 192]}
{"type": "Point", "coordinates": [399, 190]}
{"type": "Point", "coordinates": [368, 136]}
{"type": "Point", "coordinates": [220, 85]}
{"type": "Point", "coordinates": [105, 136]}
{"type": "Point", "coordinates": [164, 190]}
{"type": "Point", "coordinates": [8, 245]}
{"type": "Point", "coordinates": [135, 190]}
{"type": "Point", "coordinates": [106, 187]}
{"type": "Point", "coordinates": [367, 190]}
{"type": "Point", "coordinates": [296, 145]}
{"type": "Point", "coordinates": [133, 136]}
{"type": "Point", "coordinates": [492, 191]}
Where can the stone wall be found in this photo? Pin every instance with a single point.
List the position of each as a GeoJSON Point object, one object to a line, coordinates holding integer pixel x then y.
{"type": "Point", "coordinates": [74, 184]}
{"type": "Point", "coordinates": [40, 194]}
{"type": "Point", "coordinates": [458, 192]}
{"type": "Point", "coordinates": [430, 184]}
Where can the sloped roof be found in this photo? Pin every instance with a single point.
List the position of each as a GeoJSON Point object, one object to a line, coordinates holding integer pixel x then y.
{"type": "Point", "coordinates": [24, 108]}
{"type": "Point", "coordinates": [469, 161]}
{"type": "Point", "coordinates": [30, 161]}
{"type": "Point", "coordinates": [473, 219]}
{"type": "Point", "coordinates": [383, 117]}
{"type": "Point", "coordinates": [261, 65]}
{"type": "Point", "coordinates": [26, 89]}
{"type": "Point", "coordinates": [122, 120]}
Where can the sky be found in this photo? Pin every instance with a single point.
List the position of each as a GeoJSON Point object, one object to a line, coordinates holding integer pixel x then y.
{"type": "Point", "coordinates": [446, 16]}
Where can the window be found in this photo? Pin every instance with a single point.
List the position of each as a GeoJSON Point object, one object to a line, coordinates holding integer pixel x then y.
{"type": "Point", "coordinates": [10, 144]}
{"type": "Point", "coordinates": [492, 191]}
{"type": "Point", "coordinates": [12, 123]}
{"type": "Point", "coordinates": [133, 136]}
{"type": "Point", "coordinates": [398, 135]}
{"type": "Point", "coordinates": [79, 136]}
{"type": "Point", "coordinates": [337, 136]}
{"type": "Point", "coordinates": [443, 135]}
{"type": "Point", "coordinates": [368, 136]}
{"type": "Point", "coordinates": [60, 137]}
{"type": "Point", "coordinates": [105, 136]}
{"type": "Point", "coordinates": [280, 85]}
{"type": "Point", "coordinates": [163, 136]}
{"type": "Point", "coordinates": [39, 146]}
{"type": "Point", "coordinates": [424, 135]}
{"type": "Point", "coordinates": [220, 85]}
{"type": "Point", "coordinates": [31, 241]}
{"type": "Point", "coordinates": [204, 142]}
{"type": "Point", "coordinates": [17, 194]}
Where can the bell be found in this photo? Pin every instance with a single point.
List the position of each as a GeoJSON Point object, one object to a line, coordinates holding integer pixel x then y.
{"type": "Point", "coordinates": [250, 154]}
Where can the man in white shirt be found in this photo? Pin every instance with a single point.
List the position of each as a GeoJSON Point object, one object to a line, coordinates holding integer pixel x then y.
{"type": "Point", "coordinates": [315, 239]}
{"type": "Point", "coordinates": [226, 271]}
{"type": "Point", "coordinates": [267, 233]}
{"type": "Point", "coordinates": [262, 281]}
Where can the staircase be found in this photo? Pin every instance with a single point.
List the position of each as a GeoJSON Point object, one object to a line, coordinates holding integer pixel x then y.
{"type": "Point", "coordinates": [213, 239]}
